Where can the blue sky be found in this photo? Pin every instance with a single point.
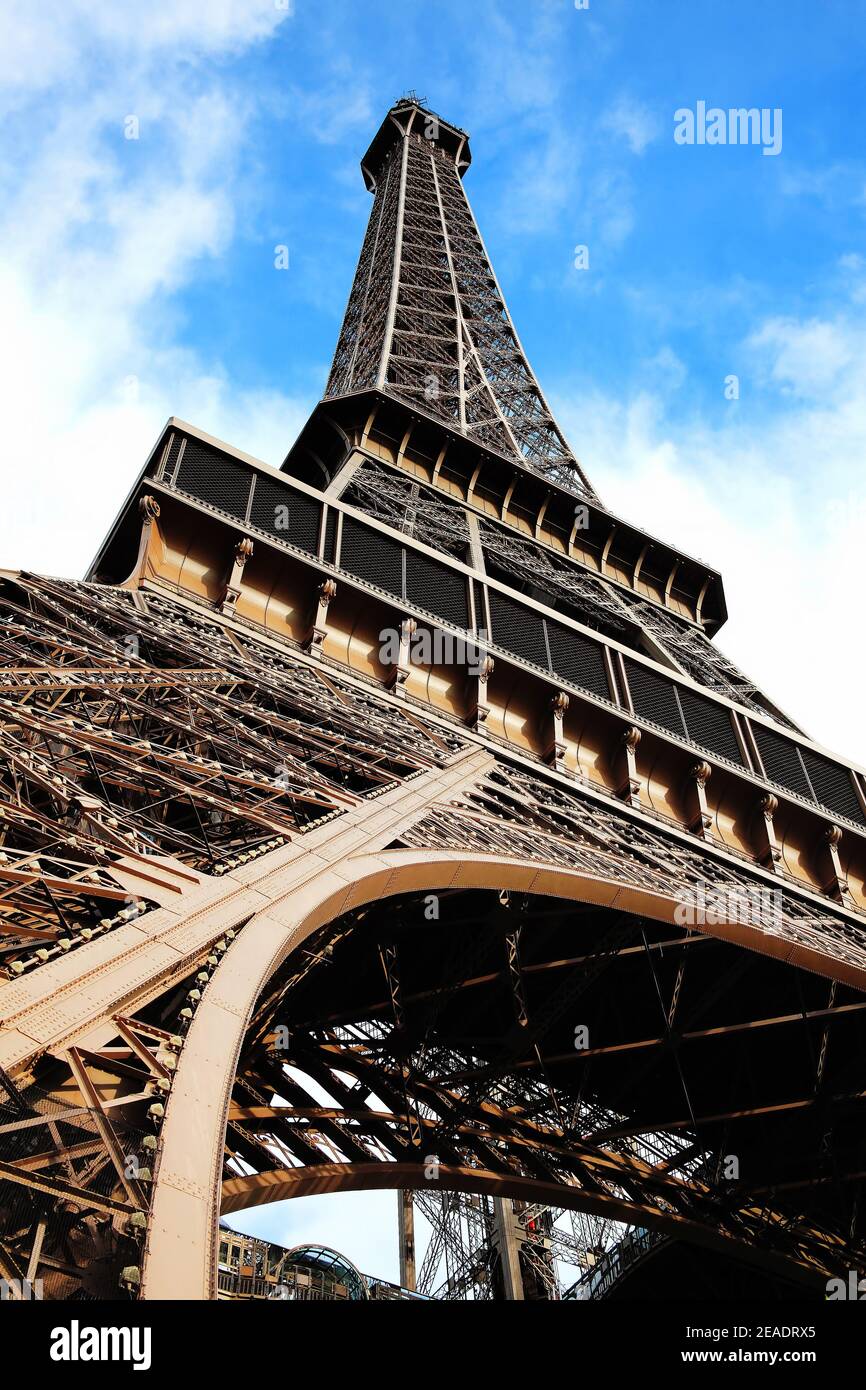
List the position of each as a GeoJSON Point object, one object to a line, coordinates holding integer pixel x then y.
{"type": "Point", "coordinates": [570, 115]}
{"type": "Point", "coordinates": [137, 277]}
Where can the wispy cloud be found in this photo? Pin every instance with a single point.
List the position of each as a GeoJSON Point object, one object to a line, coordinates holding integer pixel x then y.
{"type": "Point", "coordinates": [41, 44]}
{"type": "Point", "coordinates": [839, 184]}
{"type": "Point", "coordinates": [97, 232]}
{"type": "Point", "coordinates": [809, 359]}
{"type": "Point", "coordinates": [543, 185]}
{"type": "Point", "coordinates": [767, 496]}
{"type": "Point", "coordinates": [633, 122]}
{"type": "Point", "coordinates": [333, 110]}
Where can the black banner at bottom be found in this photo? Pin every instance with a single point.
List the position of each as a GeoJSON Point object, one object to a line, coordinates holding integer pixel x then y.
{"type": "Point", "coordinates": [154, 1338]}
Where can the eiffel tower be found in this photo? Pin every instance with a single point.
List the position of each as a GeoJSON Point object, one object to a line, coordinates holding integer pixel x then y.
{"type": "Point", "coordinates": [391, 820]}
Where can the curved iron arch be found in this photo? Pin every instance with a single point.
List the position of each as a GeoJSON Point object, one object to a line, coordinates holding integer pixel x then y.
{"type": "Point", "coordinates": [194, 1129]}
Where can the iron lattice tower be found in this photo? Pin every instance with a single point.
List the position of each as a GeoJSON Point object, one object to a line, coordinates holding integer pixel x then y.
{"type": "Point", "coordinates": [392, 819]}
{"type": "Point", "coordinates": [426, 319]}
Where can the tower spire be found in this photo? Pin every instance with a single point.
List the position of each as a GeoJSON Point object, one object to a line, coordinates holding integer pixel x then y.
{"type": "Point", "coordinates": [426, 320]}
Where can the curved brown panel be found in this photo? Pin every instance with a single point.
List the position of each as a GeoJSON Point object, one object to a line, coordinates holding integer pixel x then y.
{"type": "Point", "coordinates": [283, 1184]}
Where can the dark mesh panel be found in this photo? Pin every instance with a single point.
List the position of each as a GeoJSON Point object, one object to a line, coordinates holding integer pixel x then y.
{"type": "Point", "coordinates": [284, 514]}
{"type": "Point", "coordinates": [577, 659]}
{"type": "Point", "coordinates": [781, 760]}
{"type": "Point", "coordinates": [517, 629]}
{"type": "Point", "coordinates": [480, 614]}
{"type": "Point", "coordinates": [372, 556]}
{"type": "Point", "coordinates": [330, 536]}
{"type": "Point", "coordinates": [655, 698]}
{"type": "Point", "coordinates": [436, 588]}
{"type": "Point", "coordinates": [215, 479]}
{"type": "Point", "coordinates": [709, 725]}
{"type": "Point", "coordinates": [832, 784]}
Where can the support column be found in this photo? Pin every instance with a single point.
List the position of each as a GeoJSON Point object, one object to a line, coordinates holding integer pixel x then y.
{"type": "Point", "coordinates": [698, 816]}
{"type": "Point", "coordinates": [509, 1248]}
{"type": "Point", "coordinates": [231, 593]}
{"type": "Point", "coordinates": [766, 845]}
{"type": "Point", "coordinates": [836, 884]}
{"type": "Point", "coordinates": [555, 745]}
{"type": "Point", "coordinates": [406, 1217]}
{"type": "Point", "coordinates": [478, 706]}
{"type": "Point", "coordinates": [327, 591]}
{"type": "Point", "coordinates": [625, 766]}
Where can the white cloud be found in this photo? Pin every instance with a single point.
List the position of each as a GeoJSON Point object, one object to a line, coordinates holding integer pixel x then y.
{"type": "Point", "coordinates": [666, 368]}
{"type": "Point", "coordinates": [96, 234]}
{"type": "Point", "coordinates": [633, 122]}
{"type": "Point", "coordinates": [515, 70]}
{"type": "Point", "coordinates": [339, 108]}
{"type": "Point", "coordinates": [608, 209]}
{"type": "Point", "coordinates": [838, 186]}
{"type": "Point", "coordinates": [807, 359]}
{"type": "Point", "coordinates": [541, 185]}
{"type": "Point", "coordinates": [46, 43]}
{"type": "Point", "coordinates": [771, 497]}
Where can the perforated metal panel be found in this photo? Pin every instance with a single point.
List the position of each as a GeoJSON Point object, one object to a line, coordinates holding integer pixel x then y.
{"type": "Point", "coordinates": [438, 589]}
{"type": "Point", "coordinates": [557, 649]}
{"type": "Point", "coordinates": [577, 659]}
{"type": "Point", "coordinates": [518, 630]}
{"type": "Point", "coordinates": [417, 579]}
{"type": "Point", "coordinates": [782, 761]}
{"type": "Point", "coordinates": [285, 514]}
{"type": "Point", "coordinates": [330, 536]}
{"type": "Point", "coordinates": [214, 478]}
{"type": "Point", "coordinates": [372, 556]}
{"type": "Point", "coordinates": [480, 611]}
{"type": "Point", "coordinates": [832, 785]}
{"type": "Point", "coordinates": [655, 698]}
{"type": "Point", "coordinates": [709, 725]}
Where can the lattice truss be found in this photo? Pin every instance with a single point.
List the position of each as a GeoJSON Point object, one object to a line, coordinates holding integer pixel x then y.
{"type": "Point", "coordinates": [699, 658]}
{"type": "Point", "coordinates": [426, 319]}
{"type": "Point", "coordinates": [462, 1259]}
{"type": "Point", "coordinates": [374, 1049]}
{"type": "Point", "coordinates": [358, 359]}
{"type": "Point", "coordinates": [562, 1253]}
{"type": "Point", "coordinates": [560, 1250]}
{"type": "Point", "coordinates": [416, 1067]}
{"type": "Point", "coordinates": [78, 1139]}
{"type": "Point", "coordinates": [131, 726]}
{"type": "Point", "coordinates": [385, 1107]}
{"type": "Point", "coordinates": [409, 506]}
{"type": "Point", "coordinates": [596, 839]}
